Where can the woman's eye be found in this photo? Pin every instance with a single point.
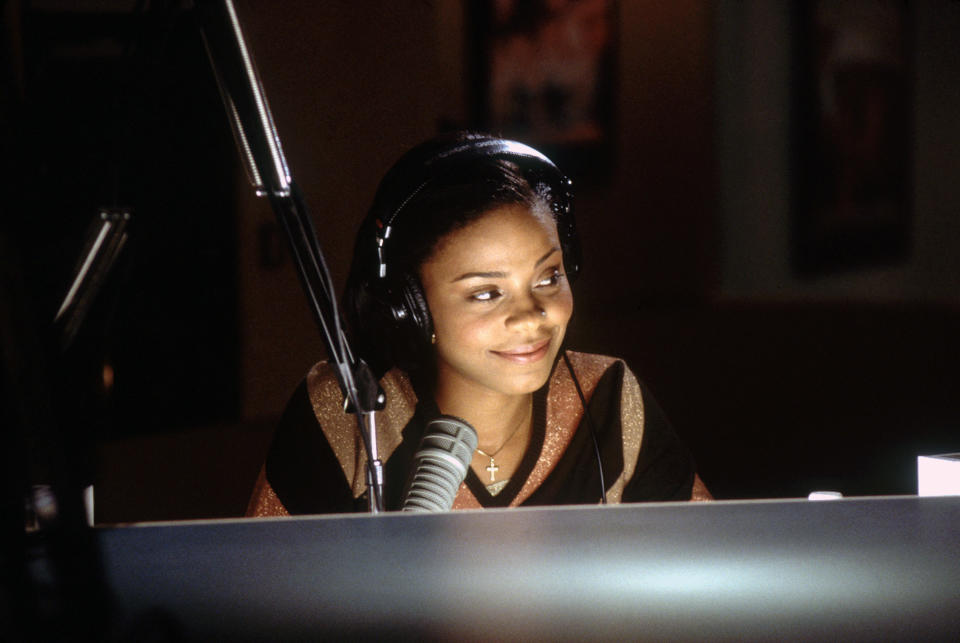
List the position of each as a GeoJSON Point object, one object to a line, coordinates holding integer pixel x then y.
{"type": "Point", "coordinates": [551, 280]}
{"type": "Point", "coordinates": [485, 295]}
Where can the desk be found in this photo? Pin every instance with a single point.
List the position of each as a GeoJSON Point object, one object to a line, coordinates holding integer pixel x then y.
{"type": "Point", "coordinates": [858, 568]}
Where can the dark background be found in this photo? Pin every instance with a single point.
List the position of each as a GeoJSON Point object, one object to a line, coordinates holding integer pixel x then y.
{"type": "Point", "coordinates": [780, 384]}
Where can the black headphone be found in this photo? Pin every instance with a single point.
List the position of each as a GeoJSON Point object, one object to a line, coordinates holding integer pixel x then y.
{"type": "Point", "coordinates": [387, 306]}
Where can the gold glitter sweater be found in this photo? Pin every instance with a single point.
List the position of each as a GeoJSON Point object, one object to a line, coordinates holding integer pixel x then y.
{"type": "Point", "coordinates": [317, 463]}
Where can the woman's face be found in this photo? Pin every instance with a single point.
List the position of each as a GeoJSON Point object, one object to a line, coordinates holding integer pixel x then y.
{"type": "Point", "coordinates": [500, 302]}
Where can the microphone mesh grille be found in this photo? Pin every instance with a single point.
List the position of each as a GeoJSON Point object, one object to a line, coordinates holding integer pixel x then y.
{"type": "Point", "coordinates": [440, 464]}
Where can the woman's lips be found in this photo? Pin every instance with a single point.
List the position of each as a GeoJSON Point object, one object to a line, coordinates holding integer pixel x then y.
{"type": "Point", "coordinates": [526, 353]}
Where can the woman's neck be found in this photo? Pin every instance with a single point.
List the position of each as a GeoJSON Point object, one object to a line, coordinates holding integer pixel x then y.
{"type": "Point", "coordinates": [495, 416]}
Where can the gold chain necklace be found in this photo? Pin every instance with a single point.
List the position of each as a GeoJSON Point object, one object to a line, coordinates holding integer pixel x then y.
{"type": "Point", "coordinates": [492, 467]}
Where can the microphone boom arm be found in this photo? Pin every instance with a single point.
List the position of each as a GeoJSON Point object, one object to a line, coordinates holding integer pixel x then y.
{"type": "Point", "coordinates": [259, 144]}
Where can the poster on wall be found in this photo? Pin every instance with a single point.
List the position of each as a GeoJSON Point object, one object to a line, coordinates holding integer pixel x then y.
{"type": "Point", "coordinates": [853, 136]}
{"type": "Point", "coordinates": [545, 73]}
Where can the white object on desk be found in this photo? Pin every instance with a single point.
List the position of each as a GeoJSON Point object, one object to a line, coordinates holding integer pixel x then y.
{"type": "Point", "coordinates": [824, 495]}
{"type": "Point", "coordinates": [938, 475]}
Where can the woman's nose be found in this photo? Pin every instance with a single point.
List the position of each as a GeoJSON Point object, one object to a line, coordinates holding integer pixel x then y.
{"type": "Point", "coordinates": [528, 312]}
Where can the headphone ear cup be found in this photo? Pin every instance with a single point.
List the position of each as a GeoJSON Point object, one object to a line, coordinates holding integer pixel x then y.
{"type": "Point", "coordinates": [416, 310]}
{"type": "Point", "coordinates": [392, 323]}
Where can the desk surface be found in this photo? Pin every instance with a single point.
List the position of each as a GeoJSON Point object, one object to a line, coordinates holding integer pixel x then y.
{"type": "Point", "coordinates": [860, 568]}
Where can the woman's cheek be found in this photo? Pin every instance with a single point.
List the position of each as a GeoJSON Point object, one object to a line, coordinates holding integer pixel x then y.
{"type": "Point", "coordinates": [472, 332]}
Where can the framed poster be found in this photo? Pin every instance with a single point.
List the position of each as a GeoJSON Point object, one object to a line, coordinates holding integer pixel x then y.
{"type": "Point", "coordinates": [853, 135]}
{"type": "Point", "coordinates": [545, 71]}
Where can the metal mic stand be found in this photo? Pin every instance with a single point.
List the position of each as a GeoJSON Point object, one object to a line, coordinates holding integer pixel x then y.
{"type": "Point", "coordinates": [105, 239]}
{"type": "Point", "coordinates": [266, 167]}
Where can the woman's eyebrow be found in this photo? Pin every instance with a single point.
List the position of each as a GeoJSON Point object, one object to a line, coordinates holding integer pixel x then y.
{"type": "Point", "coordinates": [497, 274]}
{"type": "Point", "coordinates": [546, 256]}
{"type": "Point", "coordinates": [484, 275]}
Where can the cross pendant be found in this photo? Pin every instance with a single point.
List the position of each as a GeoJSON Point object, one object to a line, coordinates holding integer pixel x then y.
{"type": "Point", "coordinates": [492, 469]}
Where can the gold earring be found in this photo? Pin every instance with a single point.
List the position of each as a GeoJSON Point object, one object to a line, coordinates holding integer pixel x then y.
{"type": "Point", "coordinates": [433, 338]}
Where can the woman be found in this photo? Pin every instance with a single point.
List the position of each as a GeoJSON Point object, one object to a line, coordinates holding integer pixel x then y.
{"type": "Point", "coordinates": [459, 298]}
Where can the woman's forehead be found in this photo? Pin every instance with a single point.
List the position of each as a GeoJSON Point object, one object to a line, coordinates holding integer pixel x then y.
{"type": "Point", "coordinates": [508, 234]}
{"type": "Point", "coordinates": [505, 225]}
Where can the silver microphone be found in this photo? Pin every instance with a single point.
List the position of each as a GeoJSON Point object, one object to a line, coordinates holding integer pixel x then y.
{"type": "Point", "coordinates": [440, 464]}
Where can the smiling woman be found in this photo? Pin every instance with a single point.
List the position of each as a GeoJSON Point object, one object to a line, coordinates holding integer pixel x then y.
{"type": "Point", "coordinates": [459, 298]}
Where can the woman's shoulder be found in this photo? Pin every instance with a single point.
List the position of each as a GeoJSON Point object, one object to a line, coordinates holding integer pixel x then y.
{"type": "Point", "coordinates": [323, 385]}
{"type": "Point", "coordinates": [327, 400]}
{"type": "Point", "coordinates": [590, 367]}
{"type": "Point", "coordinates": [580, 374]}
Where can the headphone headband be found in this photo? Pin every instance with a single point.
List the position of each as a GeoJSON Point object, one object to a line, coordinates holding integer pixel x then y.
{"type": "Point", "coordinates": [478, 148]}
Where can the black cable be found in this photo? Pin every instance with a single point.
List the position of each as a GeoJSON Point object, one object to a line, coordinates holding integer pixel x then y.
{"type": "Point", "coordinates": [590, 425]}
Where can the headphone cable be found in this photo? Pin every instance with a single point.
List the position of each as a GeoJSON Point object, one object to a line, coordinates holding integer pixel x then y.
{"type": "Point", "coordinates": [590, 425]}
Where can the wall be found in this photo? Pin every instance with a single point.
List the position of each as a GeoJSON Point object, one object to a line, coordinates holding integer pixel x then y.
{"type": "Point", "coordinates": [755, 106]}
